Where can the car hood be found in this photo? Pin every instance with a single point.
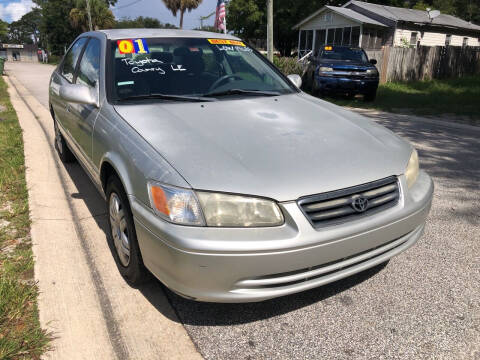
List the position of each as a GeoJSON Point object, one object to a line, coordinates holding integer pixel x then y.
{"type": "Point", "coordinates": [280, 147]}
{"type": "Point", "coordinates": [346, 65]}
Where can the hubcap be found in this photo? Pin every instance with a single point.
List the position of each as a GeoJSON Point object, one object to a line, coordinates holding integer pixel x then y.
{"type": "Point", "coordinates": [118, 222]}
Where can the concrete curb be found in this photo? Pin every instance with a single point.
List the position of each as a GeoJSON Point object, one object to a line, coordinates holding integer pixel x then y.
{"type": "Point", "coordinates": [83, 300]}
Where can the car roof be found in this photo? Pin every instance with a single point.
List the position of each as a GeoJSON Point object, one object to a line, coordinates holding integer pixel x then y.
{"type": "Point", "coordinates": [116, 34]}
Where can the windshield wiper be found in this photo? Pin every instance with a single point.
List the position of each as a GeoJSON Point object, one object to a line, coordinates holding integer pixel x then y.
{"type": "Point", "coordinates": [167, 97]}
{"type": "Point", "coordinates": [241, 92]}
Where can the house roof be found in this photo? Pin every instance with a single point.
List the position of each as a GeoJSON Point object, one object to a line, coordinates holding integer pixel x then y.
{"type": "Point", "coordinates": [414, 16]}
{"type": "Point", "coordinates": [343, 11]}
{"type": "Point", "coordinates": [352, 14]}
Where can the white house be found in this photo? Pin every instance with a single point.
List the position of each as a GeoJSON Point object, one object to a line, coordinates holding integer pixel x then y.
{"type": "Point", "coordinates": [372, 26]}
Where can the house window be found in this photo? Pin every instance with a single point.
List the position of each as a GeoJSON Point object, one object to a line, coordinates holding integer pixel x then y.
{"type": "Point", "coordinates": [346, 35]}
{"type": "Point", "coordinates": [448, 39]}
{"type": "Point", "coordinates": [465, 42]}
{"type": "Point", "coordinates": [309, 44]}
{"type": "Point", "coordinates": [319, 39]}
{"type": "Point", "coordinates": [413, 38]}
{"type": "Point", "coordinates": [338, 36]}
{"type": "Point", "coordinates": [330, 36]}
{"type": "Point", "coordinates": [355, 36]}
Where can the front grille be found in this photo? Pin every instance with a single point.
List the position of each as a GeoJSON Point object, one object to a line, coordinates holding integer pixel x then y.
{"type": "Point", "coordinates": [350, 204]}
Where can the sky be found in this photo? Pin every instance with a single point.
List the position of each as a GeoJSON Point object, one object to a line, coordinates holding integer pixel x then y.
{"type": "Point", "coordinates": [12, 10]}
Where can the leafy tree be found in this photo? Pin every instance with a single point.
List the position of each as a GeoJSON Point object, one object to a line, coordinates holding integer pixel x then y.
{"type": "Point", "coordinates": [181, 6]}
{"type": "Point", "coordinates": [56, 27]}
{"type": "Point", "coordinates": [142, 22]}
{"type": "Point", "coordinates": [27, 28]}
{"type": "Point", "coordinates": [248, 19]}
{"type": "Point", "coordinates": [102, 16]}
{"type": "Point", "coordinates": [3, 31]}
{"type": "Point", "coordinates": [208, 28]}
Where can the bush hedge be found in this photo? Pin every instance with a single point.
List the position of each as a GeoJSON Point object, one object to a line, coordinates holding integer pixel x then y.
{"type": "Point", "coordinates": [288, 65]}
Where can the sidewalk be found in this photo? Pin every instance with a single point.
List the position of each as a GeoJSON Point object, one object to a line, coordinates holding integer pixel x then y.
{"type": "Point", "coordinates": [83, 300]}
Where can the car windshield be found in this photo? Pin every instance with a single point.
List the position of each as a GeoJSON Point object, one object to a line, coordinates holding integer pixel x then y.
{"type": "Point", "coordinates": [191, 69]}
{"type": "Point", "coordinates": [345, 54]}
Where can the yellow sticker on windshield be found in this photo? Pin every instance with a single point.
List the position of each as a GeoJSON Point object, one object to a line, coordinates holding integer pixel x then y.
{"type": "Point", "coordinates": [225, 42]}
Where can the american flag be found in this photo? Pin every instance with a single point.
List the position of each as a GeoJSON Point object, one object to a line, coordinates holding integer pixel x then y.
{"type": "Point", "coordinates": [220, 16]}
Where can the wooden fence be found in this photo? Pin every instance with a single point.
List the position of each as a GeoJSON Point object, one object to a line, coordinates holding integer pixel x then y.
{"type": "Point", "coordinates": [402, 64]}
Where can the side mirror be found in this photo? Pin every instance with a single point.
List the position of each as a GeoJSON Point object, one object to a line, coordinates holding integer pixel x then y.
{"type": "Point", "coordinates": [295, 79]}
{"type": "Point", "coordinates": [373, 61]}
{"type": "Point", "coordinates": [79, 94]}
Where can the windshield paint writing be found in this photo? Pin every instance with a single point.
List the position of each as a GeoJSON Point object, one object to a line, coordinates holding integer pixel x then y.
{"type": "Point", "coordinates": [233, 48]}
{"type": "Point", "coordinates": [136, 70]}
{"type": "Point", "coordinates": [141, 62]}
{"type": "Point", "coordinates": [225, 42]}
{"type": "Point", "coordinates": [133, 46]}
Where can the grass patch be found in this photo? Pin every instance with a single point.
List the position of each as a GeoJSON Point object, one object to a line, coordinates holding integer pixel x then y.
{"type": "Point", "coordinates": [21, 336]}
{"type": "Point", "coordinates": [433, 97]}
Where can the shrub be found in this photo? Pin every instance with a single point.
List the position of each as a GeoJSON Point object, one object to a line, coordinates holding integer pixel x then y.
{"type": "Point", "coordinates": [288, 65]}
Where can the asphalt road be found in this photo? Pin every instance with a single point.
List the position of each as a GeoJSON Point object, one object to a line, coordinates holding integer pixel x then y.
{"type": "Point", "coordinates": [424, 304]}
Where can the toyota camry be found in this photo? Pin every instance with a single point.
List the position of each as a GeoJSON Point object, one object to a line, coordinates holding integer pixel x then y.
{"type": "Point", "coordinates": [220, 176]}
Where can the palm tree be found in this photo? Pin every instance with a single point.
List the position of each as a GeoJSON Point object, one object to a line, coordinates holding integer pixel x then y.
{"type": "Point", "coordinates": [181, 5]}
{"type": "Point", "coordinates": [102, 16]}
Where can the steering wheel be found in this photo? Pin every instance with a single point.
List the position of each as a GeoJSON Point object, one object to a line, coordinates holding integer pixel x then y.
{"type": "Point", "coordinates": [222, 80]}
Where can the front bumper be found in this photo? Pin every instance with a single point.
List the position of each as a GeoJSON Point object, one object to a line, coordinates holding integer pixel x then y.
{"type": "Point", "coordinates": [243, 265]}
{"type": "Point", "coordinates": [338, 84]}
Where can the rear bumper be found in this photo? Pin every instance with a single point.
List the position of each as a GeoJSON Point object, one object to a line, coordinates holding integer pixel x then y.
{"type": "Point", "coordinates": [330, 84]}
{"type": "Point", "coordinates": [244, 265]}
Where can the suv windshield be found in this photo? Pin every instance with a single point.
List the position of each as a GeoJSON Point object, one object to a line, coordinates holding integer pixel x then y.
{"type": "Point", "coordinates": [346, 54]}
{"type": "Point", "coordinates": [178, 68]}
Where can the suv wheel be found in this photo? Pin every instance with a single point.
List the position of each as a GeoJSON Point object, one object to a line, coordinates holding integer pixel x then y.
{"type": "Point", "coordinates": [123, 237]}
{"type": "Point", "coordinates": [370, 96]}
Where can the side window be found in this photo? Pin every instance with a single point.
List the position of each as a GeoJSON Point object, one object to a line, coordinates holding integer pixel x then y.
{"type": "Point", "coordinates": [89, 71]}
{"type": "Point", "coordinates": [68, 68]}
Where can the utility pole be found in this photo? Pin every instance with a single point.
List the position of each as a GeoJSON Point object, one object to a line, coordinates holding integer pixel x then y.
{"type": "Point", "coordinates": [89, 15]}
{"type": "Point", "coordinates": [270, 30]}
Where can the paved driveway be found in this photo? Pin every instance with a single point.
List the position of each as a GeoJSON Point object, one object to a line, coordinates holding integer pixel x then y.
{"type": "Point", "coordinates": [424, 304]}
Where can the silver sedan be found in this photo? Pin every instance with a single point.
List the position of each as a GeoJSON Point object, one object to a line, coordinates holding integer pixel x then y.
{"type": "Point", "coordinates": [220, 176]}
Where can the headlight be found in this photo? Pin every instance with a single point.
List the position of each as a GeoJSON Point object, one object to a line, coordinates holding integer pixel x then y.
{"type": "Point", "coordinates": [176, 205]}
{"type": "Point", "coordinates": [372, 72]}
{"type": "Point", "coordinates": [412, 169]}
{"type": "Point", "coordinates": [239, 211]}
{"type": "Point", "coordinates": [325, 69]}
{"type": "Point", "coordinates": [186, 207]}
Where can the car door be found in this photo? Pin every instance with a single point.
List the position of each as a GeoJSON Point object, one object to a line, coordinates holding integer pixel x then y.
{"type": "Point", "coordinates": [63, 76]}
{"type": "Point", "coordinates": [83, 116]}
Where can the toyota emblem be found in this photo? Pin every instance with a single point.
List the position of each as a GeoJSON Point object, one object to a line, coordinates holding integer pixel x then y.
{"type": "Point", "coordinates": [360, 204]}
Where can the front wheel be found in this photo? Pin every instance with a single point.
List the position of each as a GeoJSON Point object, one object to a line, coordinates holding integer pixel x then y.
{"type": "Point", "coordinates": [123, 236]}
{"type": "Point", "coordinates": [370, 96]}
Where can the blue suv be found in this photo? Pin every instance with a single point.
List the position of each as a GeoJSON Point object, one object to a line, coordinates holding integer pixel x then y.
{"type": "Point", "coordinates": [343, 70]}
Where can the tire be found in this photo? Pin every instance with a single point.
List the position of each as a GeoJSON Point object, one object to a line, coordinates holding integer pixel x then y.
{"type": "Point", "coordinates": [63, 150]}
{"type": "Point", "coordinates": [122, 235]}
{"type": "Point", "coordinates": [369, 97]}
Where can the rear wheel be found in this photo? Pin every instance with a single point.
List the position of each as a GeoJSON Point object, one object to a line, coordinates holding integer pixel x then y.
{"type": "Point", "coordinates": [63, 150]}
{"type": "Point", "coordinates": [123, 236]}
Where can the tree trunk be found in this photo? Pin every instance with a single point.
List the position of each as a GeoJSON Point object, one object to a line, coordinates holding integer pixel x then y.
{"type": "Point", "coordinates": [181, 18]}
